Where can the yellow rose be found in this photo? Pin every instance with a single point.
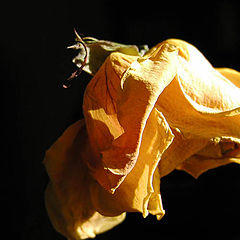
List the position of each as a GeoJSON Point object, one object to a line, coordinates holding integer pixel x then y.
{"type": "Point", "coordinates": [144, 116]}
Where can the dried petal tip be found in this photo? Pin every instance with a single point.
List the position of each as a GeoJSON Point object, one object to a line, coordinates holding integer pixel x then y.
{"type": "Point", "coordinates": [78, 38]}
{"type": "Point", "coordinates": [75, 74]}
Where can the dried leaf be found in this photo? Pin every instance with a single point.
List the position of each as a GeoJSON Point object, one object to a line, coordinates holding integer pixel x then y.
{"type": "Point", "coordinates": [99, 50]}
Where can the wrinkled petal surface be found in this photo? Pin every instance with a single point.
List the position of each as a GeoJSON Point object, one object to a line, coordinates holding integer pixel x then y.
{"type": "Point", "coordinates": [202, 96]}
{"type": "Point", "coordinates": [128, 110]}
{"type": "Point", "coordinates": [68, 195]}
{"type": "Point", "coordinates": [215, 154]}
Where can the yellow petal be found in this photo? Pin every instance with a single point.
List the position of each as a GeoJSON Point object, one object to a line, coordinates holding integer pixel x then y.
{"type": "Point", "coordinates": [207, 90]}
{"type": "Point", "coordinates": [68, 195]}
{"type": "Point", "coordinates": [219, 147]}
{"type": "Point", "coordinates": [155, 206]}
{"type": "Point", "coordinates": [230, 74]}
{"type": "Point", "coordinates": [129, 107]}
{"type": "Point", "coordinates": [181, 149]}
{"type": "Point", "coordinates": [100, 111]}
{"type": "Point", "coordinates": [140, 191]}
{"type": "Point", "coordinates": [216, 153]}
{"type": "Point", "coordinates": [200, 101]}
{"type": "Point", "coordinates": [141, 187]}
{"type": "Point", "coordinates": [197, 165]}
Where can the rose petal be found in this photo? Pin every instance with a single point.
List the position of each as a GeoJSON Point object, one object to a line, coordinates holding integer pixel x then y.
{"type": "Point", "coordinates": [216, 153]}
{"type": "Point", "coordinates": [180, 150]}
{"type": "Point", "coordinates": [231, 74]}
{"type": "Point", "coordinates": [68, 195]}
{"type": "Point", "coordinates": [200, 101]}
{"type": "Point", "coordinates": [141, 187]}
{"type": "Point", "coordinates": [141, 85]}
{"type": "Point", "coordinates": [196, 165]}
{"type": "Point", "coordinates": [142, 184]}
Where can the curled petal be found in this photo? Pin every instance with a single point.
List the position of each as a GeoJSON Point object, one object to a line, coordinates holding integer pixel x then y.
{"type": "Point", "coordinates": [201, 95]}
{"type": "Point", "coordinates": [208, 91]}
{"type": "Point", "coordinates": [141, 187]}
{"type": "Point", "coordinates": [100, 111]}
{"type": "Point", "coordinates": [216, 153]}
{"type": "Point", "coordinates": [68, 195]}
{"type": "Point", "coordinates": [141, 85]}
{"type": "Point", "coordinates": [197, 165]}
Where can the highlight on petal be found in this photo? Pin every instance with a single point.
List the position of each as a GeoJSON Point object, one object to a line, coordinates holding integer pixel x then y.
{"type": "Point", "coordinates": [98, 224]}
{"type": "Point", "coordinates": [231, 74]}
{"type": "Point", "coordinates": [100, 110]}
{"type": "Point", "coordinates": [68, 195]}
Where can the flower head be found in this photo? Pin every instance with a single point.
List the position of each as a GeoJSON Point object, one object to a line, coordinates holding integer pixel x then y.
{"type": "Point", "coordinates": [144, 116]}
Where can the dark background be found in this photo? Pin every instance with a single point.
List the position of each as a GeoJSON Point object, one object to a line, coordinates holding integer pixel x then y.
{"type": "Point", "coordinates": [36, 109]}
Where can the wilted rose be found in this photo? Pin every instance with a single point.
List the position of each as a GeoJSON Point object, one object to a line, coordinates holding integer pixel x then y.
{"type": "Point", "coordinates": [144, 116]}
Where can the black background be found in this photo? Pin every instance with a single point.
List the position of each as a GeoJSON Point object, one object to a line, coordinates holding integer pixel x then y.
{"type": "Point", "coordinates": [36, 108]}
